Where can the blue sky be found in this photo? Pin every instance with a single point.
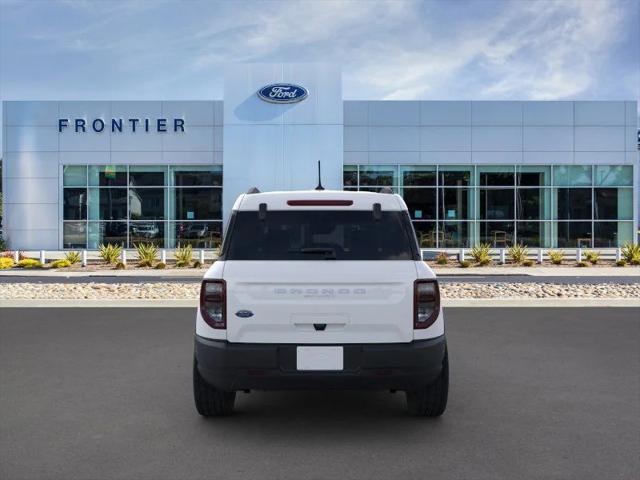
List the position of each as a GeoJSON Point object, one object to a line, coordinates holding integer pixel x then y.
{"type": "Point", "coordinates": [521, 49]}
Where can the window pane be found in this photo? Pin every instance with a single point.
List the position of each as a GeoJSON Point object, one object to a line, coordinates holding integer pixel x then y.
{"type": "Point", "coordinates": [196, 234]}
{"type": "Point", "coordinates": [421, 202]}
{"type": "Point", "coordinates": [426, 234]}
{"type": "Point", "coordinates": [108, 175]}
{"type": "Point", "coordinates": [496, 204]}
{"type": "Point", "coordinates": [496, 234]}
{"type": "Point", "coordinates": [613, 203]}
{"type": "Point", "coordinates": [74, 176]}
{"type": "Point", "coordinates": [574, 234]}
{"type": "Point", "coordinates": [74, 204]}
{"type": "Point", "coordinates": [496, 175]}
{"type": "Point", "coordinates": [574, 204]}
{"type": "Point", "coordinates": [377, 189]}
{"type": "Point", "coordinates": [614, 175]}
{"type": "Point", "coordinates": [419, 175]}
{"type": "Point", "coordinates": [455, 234]}
{"type": "Point", "coordinates": [146, 203]}
{"type": "Point", "coordinates": [107, 204]}
{"type": "Point", "coordinates": [455, 176]}
{"type": "Point", "coordinates": [456, 204]}
{"type": "Point", "coordinates": [146, 232]}
{"type": "Point", "coordinates": [196, 176]}
{"type": "Point", "coordinates": [107, 232]}
{"type": "Point", "coordinates": [612, 234]}
{"type": "Point", "coordinates": [147, 175]}
{"type": "Point", "coordinates": [378, 175]}
{"type": "Point", "coordinates": [572, 175]}
{"type": "Point", "coordinates": [534, 234]}
{"type": "Point", "coordinates": [350, 176]}
{"type": "Point", "coordinates": [533, 176]}
{"type": "Point", "coordinates": [74, 235]}
{"type": "Point", "coordinates": [197, 203]}
{"type": "Point", "coordinates": [533, 203]}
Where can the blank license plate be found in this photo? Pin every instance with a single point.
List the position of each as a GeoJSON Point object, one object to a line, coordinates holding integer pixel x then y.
{"type": "Point", "coordinates": [320, 358]}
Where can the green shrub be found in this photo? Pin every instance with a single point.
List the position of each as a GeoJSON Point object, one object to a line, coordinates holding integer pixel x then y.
{"type": "Point", "coordinates": [29, 263]}
{"type": "Point", "coordinates": [6, 262]}
{"type": "Point", "coordinates": [518, 253]}
{"type": "Point", "coordinates": [62, 263]}
{"type": "Point", "coordinates": [528, 263]}
{"type": "Point", "coordinates": [631, 253]}
{"type": "Point", "coordinates": [582, 263]}
{"type": "Point", "coordinates": [556, 256]}
{"type": "Point", "coordinates": [621, 263]}
{"type": "Point", "coordinates": [197, 264]}
{"type": "Point", "coordinates": [465, 263]}
{"type": "Point", "coordinates": [147, 254]}
{"type": "Point", "coordinates": [110, 252]}
{"type": "Point", "coordinates": [442, 258]}
{"type": "Point", "coordinates": [480, 253]}
{"type": "Point", "coordinates": [73, 257]}
{"type": "Point", "coordinates": [161, 266]}
{"type": "Point", "coordinates": [592, 256]}
{"type": "Point", "coordinates": [120, 266]}
{"type": "Point", "coordinates": [184, 256]}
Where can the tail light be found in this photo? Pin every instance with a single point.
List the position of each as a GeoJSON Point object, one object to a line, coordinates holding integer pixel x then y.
{"type": "Point", "coordinates": [213, 299]}
{"type": "Point", "coordinates": [426, 303]}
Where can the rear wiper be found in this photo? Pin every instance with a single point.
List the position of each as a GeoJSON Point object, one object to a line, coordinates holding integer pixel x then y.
{"type": "Point", "coordinates": [329, 253]}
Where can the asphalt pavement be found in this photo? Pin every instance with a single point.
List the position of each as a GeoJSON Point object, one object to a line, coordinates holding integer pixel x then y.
{"type": "Point", "coordinates": [106, 393]}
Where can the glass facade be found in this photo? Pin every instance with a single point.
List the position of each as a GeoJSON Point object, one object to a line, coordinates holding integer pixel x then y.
{"type": "Point", "coordinates": [165, 205]}
{"type": "Point", "coordinates": [547, 206]}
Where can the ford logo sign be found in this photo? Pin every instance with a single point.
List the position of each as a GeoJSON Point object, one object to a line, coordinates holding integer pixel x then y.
{"type": "Point", "coordinates": [283, 93]}
{"type": "Point", "coordinates": [244, 313]}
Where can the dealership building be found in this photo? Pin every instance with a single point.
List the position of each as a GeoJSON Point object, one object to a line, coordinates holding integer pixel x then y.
{"type": "Point", "coordinates": [544, 173]}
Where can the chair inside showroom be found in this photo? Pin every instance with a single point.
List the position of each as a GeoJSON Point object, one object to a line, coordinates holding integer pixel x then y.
{"type": "Point", "coordinates": [499, 238]}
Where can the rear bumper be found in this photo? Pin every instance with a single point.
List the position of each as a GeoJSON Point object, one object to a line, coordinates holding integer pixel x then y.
{"type": "Point", "coordinates": [388, 366]}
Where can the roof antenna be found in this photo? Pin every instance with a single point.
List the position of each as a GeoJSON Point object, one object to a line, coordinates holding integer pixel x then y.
{"type": "Point", "coordinates": [319, 187]}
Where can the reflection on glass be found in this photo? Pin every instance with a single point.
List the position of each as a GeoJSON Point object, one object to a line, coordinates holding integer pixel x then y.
{"type": "Point", "coordinates": [146, 203]}
{"type": "Point", "coordinates": [496, 175]}
{"type": "Point", "coordinates": [107, 232]}
{"type": "Point", "coordinates": [421, 202]}
{"type": "Point", "coordinates": [196, 234]}
{"type": "Point", "coordinates": [74, 176]}
{"type": "Point", "coordinates": [147, 175]}
{"type": "Point", "coordinates": [74, 204]}
{"type": "Point", "coordinates": [108, 175]}
{"type": "Point", "coordinates": [455, 204]}
{"type": "Point", "coordinates": [426, 234]}
{"type": "Point", "coordinates": [614, 175]}
{"type": "Point", "coordinates": [455, 176]}
{"type": "Point", "coordinates": [574, 234]}
{"type": "Point", "coordinates": [196, 176]}
{"type": "Point", "coordinates": [107, 204]}
{"type": "Point", "coordinates": [533, 175]}
{"type": "Point", "coordinates": [612, 234]}
{"type": "Point", "coordinates": [496, 234]}
{"type": "Point", "coordinates": [533, 234]}
{"type": "Point", "coordinates": [74, 235]}
{"type": "Point", "coordinates": [496, 204]}
{"type": "Point", "coordinates": [418, 175]}
{"type": "Point", "coordinates": [533, 203]}
{"type": "Point", "coordinates": [350, 176]}
{"type": "Point", "coordinates": [146, 232]}
{"type": "Point", "coordinates": [573, 203]}
{"type": "Point", "coordinates": [572, 175]}
{"type": "Point", "coordinates": [455, 235]}
{"type": "Point", "coordinates": [197, 203]}
{"type": "Point", "coordinates": [613, 203]}
{"type": "Point", "coordinates": [372, 175]}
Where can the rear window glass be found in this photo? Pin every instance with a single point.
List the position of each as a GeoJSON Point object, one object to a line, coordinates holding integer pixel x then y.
{"type": "Point", "coordinates": [320, 235]}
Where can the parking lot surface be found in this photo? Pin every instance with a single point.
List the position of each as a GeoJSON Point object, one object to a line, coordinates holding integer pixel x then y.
{"type": "Point", "coordinates": [106, 393]}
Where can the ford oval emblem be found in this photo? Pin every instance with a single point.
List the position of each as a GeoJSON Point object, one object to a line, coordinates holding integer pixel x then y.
{"type": "Point", "coordinates": [244, 313]}
{"type": "Point", "coordinates": [283, 93]}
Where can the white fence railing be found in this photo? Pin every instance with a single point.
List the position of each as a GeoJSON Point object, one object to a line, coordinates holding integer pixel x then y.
{"type": "Point", "coordinates": [539, 255]}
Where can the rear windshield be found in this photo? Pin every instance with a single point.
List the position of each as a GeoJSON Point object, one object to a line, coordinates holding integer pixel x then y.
{"type": "Point", "coordinates": [320, 235]}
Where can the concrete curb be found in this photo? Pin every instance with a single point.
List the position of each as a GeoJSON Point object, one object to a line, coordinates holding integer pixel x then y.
{"type": "Point", "coordinates": [450, 303]}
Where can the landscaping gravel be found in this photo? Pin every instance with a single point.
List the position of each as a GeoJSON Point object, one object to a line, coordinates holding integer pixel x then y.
{"type": "Point", "coordinates": [187, 291]}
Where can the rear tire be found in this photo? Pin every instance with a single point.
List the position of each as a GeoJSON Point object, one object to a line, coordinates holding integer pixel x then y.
{"type": "Point", "coordinates": [431, 401]}
{"type": "Point", "coordinates": [211, 402]}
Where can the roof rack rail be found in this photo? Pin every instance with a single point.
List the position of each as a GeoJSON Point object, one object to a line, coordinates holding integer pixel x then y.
{"type": "Point", "coordinates": [253, 190]}
{"type": "Point", "coordinates": [386, 190]}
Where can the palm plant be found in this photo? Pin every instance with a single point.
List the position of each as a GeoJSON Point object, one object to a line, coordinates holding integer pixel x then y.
{"type": "Point", "coordinates": [480, 253]}
{"type": "Point", "coordinates": [147, 254]}
{"type": "Point", "coordinates": [184, 255]}
{"type": "Point", "coordinates": [556, 256]}
{"type": "Point", "coordinates": [631, 253]}
{"type": "Point", "coordinates": [110, 252]}
{"type": "Point", "coordinates": [72, 257]}
{"type": "Point", "coordinates": [518, 253]}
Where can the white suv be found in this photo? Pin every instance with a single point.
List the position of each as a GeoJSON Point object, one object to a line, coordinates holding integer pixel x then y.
{"type": "Point", "coordinates": [320, 290]}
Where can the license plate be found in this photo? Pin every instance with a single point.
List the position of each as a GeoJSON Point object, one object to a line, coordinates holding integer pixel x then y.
{"type": "Point", "coordinates": [320, 358]}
